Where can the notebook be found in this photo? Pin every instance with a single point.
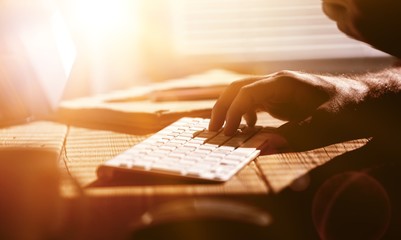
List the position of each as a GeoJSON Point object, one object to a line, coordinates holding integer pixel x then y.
{"type": "Point", "coordinates": [37, 55]}
{"type": "Point", "coordinates": [149, 108]}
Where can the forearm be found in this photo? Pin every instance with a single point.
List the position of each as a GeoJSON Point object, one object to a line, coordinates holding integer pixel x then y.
{"type": "Point", "coordinates": [380, 108]}
{"type": "Point", "coordinates": [365, 105]}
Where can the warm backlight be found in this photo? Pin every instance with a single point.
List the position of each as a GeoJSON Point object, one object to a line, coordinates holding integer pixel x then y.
{"type": "Point", "coordinates": [100, 16]}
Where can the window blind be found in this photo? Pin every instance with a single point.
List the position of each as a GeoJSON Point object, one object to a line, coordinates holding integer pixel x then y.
{"type": "Point", "coordinates": [260, 30]}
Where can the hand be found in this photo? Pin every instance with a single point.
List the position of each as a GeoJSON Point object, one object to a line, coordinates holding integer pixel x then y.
{"type": "Point", "coordinates": [286, 95]}
{"type": "Point", "coordinates": [316, 106]}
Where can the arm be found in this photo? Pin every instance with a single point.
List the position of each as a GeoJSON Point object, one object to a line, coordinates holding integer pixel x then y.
{"type": "Point", "coordinates": [320, 109]}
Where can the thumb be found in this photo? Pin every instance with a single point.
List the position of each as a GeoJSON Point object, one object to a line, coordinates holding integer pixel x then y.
{"type": "Point", "coordinates": [272, 142]}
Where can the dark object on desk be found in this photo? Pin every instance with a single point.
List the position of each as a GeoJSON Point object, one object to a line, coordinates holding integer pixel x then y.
{"type": "Point", "coordinates": [30, 200]}
{"type": "Point", "coordinates": [203, 219]}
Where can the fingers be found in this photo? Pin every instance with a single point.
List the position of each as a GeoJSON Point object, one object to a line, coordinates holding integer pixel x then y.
{"type": "Point", "coordinates": [241, 105]}
{"type": "Point", "coordinates": [250, 118]}
{"type": "Point", "coordinates": [286, 94]}
{"type": "Point", "coordinates": [272, 90]}
{"type": "Point", "coordinates": [224, 102]}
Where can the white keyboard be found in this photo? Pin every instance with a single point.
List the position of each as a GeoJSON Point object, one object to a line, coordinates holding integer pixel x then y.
{"type": "Point", "coordinates": [187, 149]}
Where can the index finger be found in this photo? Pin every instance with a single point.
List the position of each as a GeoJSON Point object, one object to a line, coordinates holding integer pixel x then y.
{"type": "Point", "coordinates": [241, 105]}
{"type": "Point", "coordinates": [224, 102]}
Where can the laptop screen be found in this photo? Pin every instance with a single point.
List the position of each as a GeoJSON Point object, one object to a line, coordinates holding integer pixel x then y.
{"type": "Point", "coordinates": [36, 58]}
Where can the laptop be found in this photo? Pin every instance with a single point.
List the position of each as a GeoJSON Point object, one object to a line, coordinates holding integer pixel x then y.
{"type": "Point", "coordinates": [37, 55]}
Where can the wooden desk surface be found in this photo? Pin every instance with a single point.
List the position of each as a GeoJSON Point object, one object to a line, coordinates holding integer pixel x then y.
{"type": "Point", "coordinates": [111, 206]}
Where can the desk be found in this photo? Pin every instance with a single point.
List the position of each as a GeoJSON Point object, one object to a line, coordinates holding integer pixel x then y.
{"type": "Point", "coordinates": [111, 207]}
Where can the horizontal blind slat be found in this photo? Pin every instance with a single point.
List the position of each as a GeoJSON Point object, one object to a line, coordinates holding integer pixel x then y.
{"type": "Point", "coordinates": [275, 29]}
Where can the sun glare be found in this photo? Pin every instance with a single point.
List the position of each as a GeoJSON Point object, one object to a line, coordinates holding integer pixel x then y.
{"type": "Point", "coordinates": [106, 32]}
{"type": "Point", "coordinates": [100, 16]}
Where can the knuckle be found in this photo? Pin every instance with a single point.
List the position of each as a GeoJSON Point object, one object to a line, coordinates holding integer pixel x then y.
{"type": "Point", "coordinates": [243, 82]}
{"type": "Point", "coordinates": [285, 73]}
{"type": "Point", "coordinates": [245, 92]}
{"type": "Point", "coordinates": [236, 84]}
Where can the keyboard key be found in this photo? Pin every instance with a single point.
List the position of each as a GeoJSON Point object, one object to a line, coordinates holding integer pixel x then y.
{"type": "Point", "coordinates": [240, 138]}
